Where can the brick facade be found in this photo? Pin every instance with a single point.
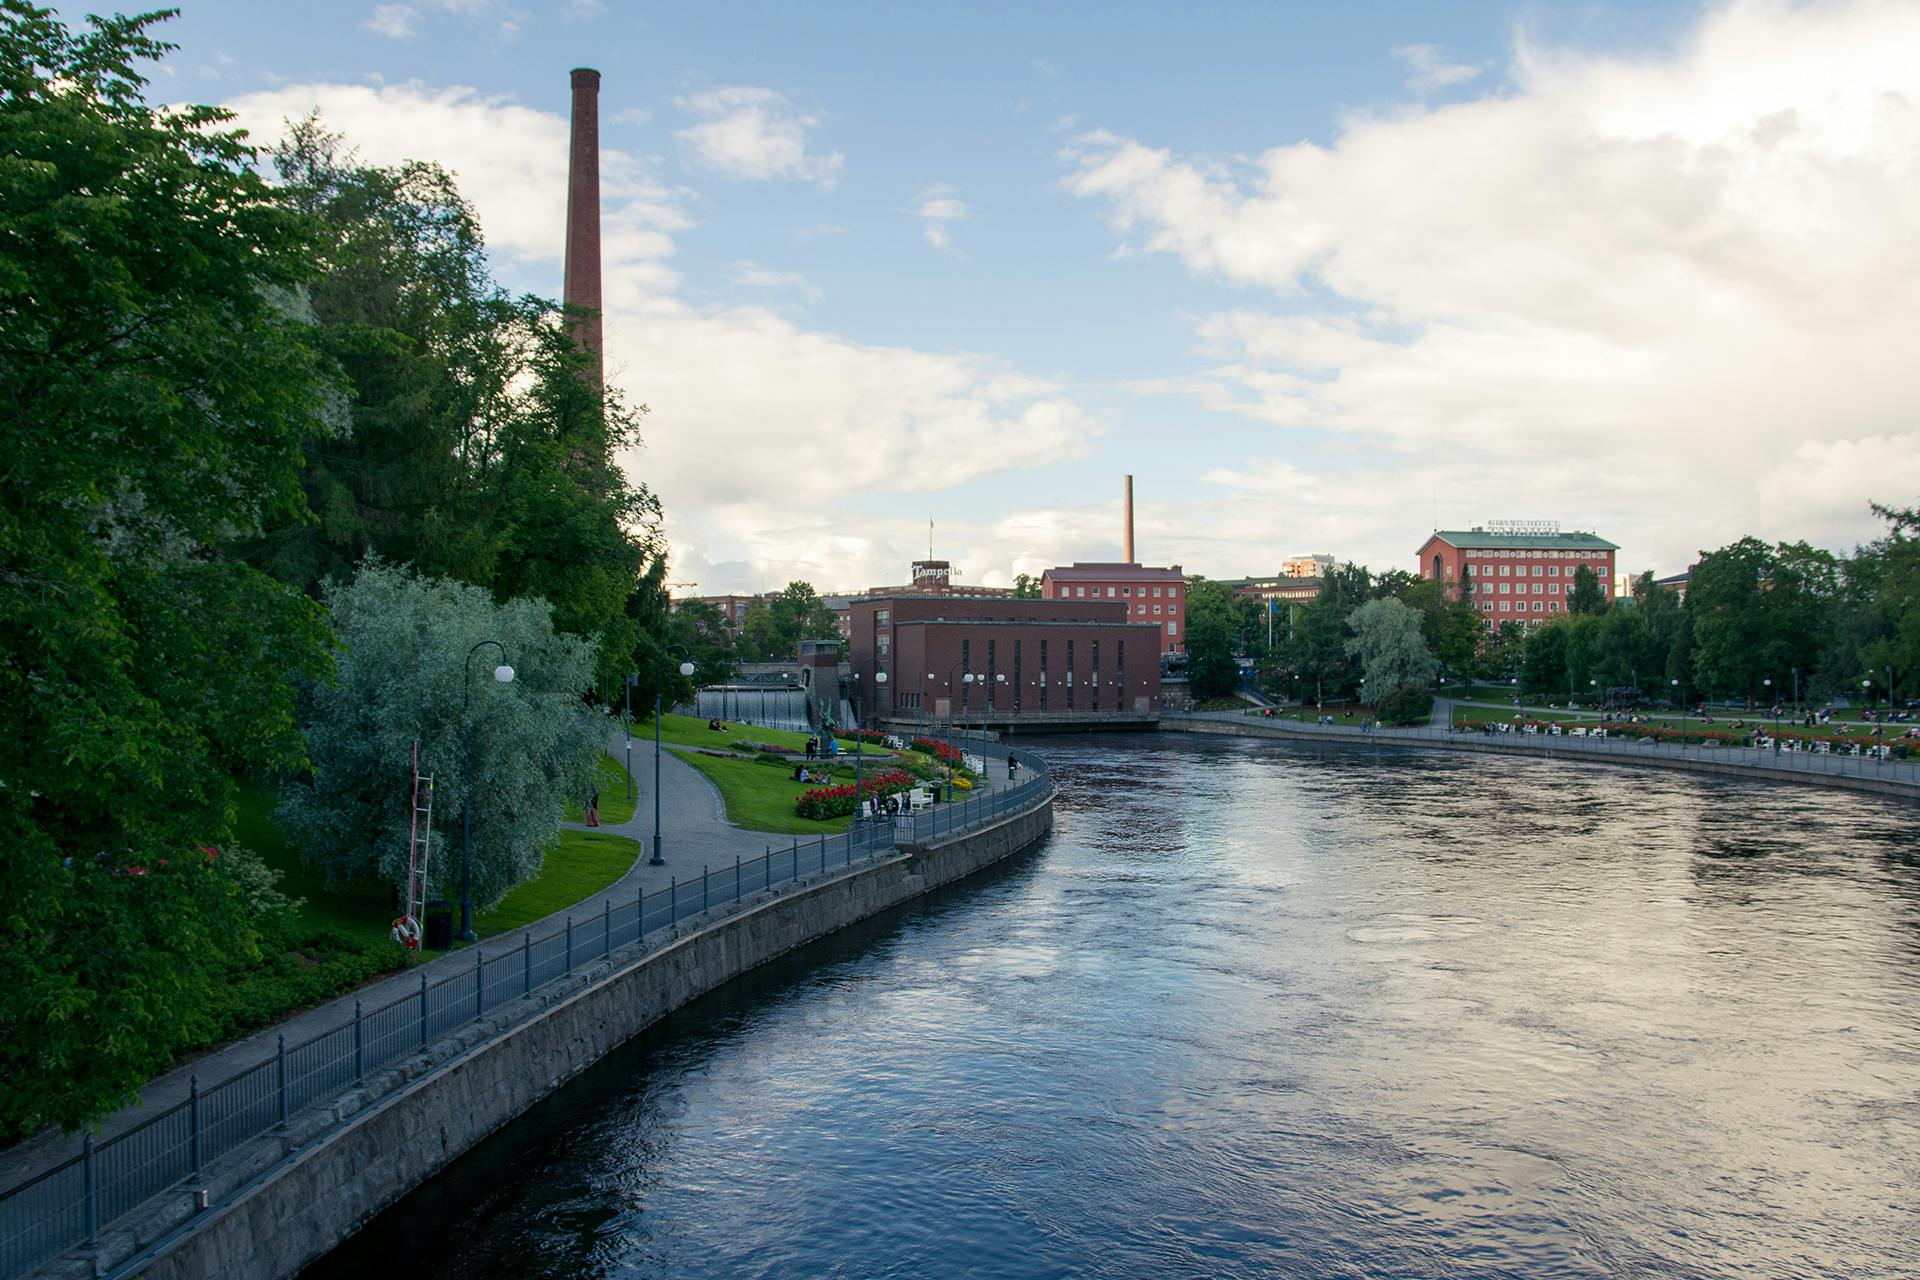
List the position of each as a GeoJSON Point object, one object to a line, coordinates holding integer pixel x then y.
{"type": "Point", "coordinates": [1149, 595]}
{"type": "Point", "coordinates": [1523, 578]}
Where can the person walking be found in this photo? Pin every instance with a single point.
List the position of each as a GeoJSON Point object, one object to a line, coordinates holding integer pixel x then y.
{"type": "Point", "coordinates": [593, 807]}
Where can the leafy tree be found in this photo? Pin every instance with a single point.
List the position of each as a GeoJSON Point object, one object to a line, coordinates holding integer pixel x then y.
{"type": "Point", "coordinates": [1585, 595]}
{"type": "Point", "coordinates": [1543, 668]}
{"type": "Point", "coordinates": [1500, 652]}
{"type": "Point", "coordinates": [1388, 644]}
{"type": "Point", "coordinates": [772, 630]}
{"type": "Point", "coordinates": [1462, 629]}
{"type": "Point", "coordinates": [401, 676]}
{"type": "Point", "coordinates": [158, 383]}
{"type": "Point", "coordinates": [1408, 704]}
{"type": "Point", "coordinates": [481, 448]}
{"type": "Point", "coordinates": [1026, 587]}
{"type": "Point", "coordinates": [1212, 626]}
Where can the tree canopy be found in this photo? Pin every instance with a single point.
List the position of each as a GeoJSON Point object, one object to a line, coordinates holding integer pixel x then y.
{"type": "Point", "coordinates": [160, 379]}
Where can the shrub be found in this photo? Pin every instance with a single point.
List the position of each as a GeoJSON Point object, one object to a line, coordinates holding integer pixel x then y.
{"type": "Point", "coordinates": [823, 803]}
{"type": "Point", "coordinates": [1407, 704]}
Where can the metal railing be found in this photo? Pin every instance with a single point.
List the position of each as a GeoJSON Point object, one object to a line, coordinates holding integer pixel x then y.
{"type": "Point", "coordinates": [67, 1206]}
{"type": "Point", "coordinates": [1762, 760]}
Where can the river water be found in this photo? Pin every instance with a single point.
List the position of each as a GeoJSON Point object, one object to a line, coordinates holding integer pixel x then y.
{"type": "Point", "coordinates": [1269, 1010]}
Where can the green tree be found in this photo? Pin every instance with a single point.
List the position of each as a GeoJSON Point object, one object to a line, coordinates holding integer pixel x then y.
{"type": "Point", "coordinates": [158, 383]}
{"type": "Point", "coordinates": [481, 448]}
{"type": "Point", "coordinates": [1212, 628]}
{"type": "Point", "coordinates": [1026, 587]}
{"type": "Point", "coordinates": [1388, 643]}
{"type": "Point", "coordinates": [1462, 629]}
{"type": "Point", "coordinates": [1585, 595]}
{"type": "Point", "coordinates": [773, 629]}
{"type": "Point", "coordinates": [402, 675]}
{"type": "Point", "coordinates": [1543, 666]}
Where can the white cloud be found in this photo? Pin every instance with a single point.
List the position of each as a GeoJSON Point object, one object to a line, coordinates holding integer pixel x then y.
{"type": "Point", "coordinates": [750, 134]}
{"type": "Point", "coordinates": [1428, 70]}
{"type": "Point", "coordinates": [936, 206]}
{"type": "Point", "coordinates": [753, 276]}
{"type": "Point", "coordinates": [756, 424]}
{"type": "Point", "coordinates": [395, 21]}
{"type": "Point", "coordinates": [1675, 297]}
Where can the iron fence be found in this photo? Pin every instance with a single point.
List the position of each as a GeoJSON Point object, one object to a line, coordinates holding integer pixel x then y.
{"type": "Point", "coordinates": [67, 1206]}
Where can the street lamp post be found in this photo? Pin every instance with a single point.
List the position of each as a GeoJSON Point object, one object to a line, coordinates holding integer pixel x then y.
{"type": "Point", "coordinates": [859, 726]}
{"type": "Point", "coordinates": [1767, 683]}
{"type": "Point", "coordinates": [626, 722]}
{"type": "Point", "coordinates": [1866, 695]}
{"type": "Point", "coordinates": [658, 859]}
{"type": "Point", "coordinates": [949, 687]}
{"type": "Point", "coordinates": [1683, 711]}
{"type": "Point", "coordinates": [504, 675]}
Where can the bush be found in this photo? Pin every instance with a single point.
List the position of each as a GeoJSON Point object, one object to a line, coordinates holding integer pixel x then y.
{"type": "Point", "coordinates": [1408, 704]}
{"type": "Point", "coordinates": [823, 803]}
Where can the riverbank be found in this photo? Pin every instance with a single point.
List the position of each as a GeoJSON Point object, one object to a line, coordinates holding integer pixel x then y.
{"type": "Point", "coordinates": [1866, 774]}
{"type": "Point", "coordinates": [503, 996]}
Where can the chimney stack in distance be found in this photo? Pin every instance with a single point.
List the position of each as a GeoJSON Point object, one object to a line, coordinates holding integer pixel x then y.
{"type": "Point", "coordinates": [582, 287]}
{"type": "Point", "coordinates": [1126, 546]}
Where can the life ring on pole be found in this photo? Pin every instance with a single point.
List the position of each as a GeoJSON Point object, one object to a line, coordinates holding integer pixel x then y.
{"type": "Point", "coordinates": [406, 932]}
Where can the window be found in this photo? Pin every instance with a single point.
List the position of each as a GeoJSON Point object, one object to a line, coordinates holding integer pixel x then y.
{"type": "Point", "coordinates": [1536, 571]}
{"type": "Point", "coordinates": [1536, 606]}
{"type": "Point", "coordinates": [1553, 571]}
{"type": "Point", "coordinates": [1505, 569]}
{"type": "Point", "coordinates": [1553, 588]}
{"type": "Point", "coordinates": [1488, 606]}
{"type": "Point", "coordinates": [1109, 593]}
{"type": "Point", "coordinates": [883, 618]}
{"type": "Point", "coordinates": [1536, 588]}
{"type": "Point", "coordinates": [1126, 591]}
{"type": "Point", "coordinates": [1080, 591]}
{"type": "Point", "coordinates": [880, 644]}
{"type": "Point", "coordinates": [1142, 608]}
{"type": "Point", "coordinates": [1173, 591]}
{"type": "Point", "coordinates": [1069, 675]}
{"type": "Point", "coordinates": [1505, 587]}
{"type": "Point", "coordinates": [1156, 610]}
{"type": "Point", "coordinates": [966, 665]}
{"type": "Point", "coordinates": [1156, 592]}
{"type": "Point", "coordinates": [1553, 606]}
{"type": "Point", "coordinates": [1505, 605]}
{"type": "Point", "coordinates": [1173, 628]}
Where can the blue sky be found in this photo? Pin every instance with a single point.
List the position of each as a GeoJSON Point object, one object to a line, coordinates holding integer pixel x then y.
{"type": "Point", "coordinates": [1321, 277]}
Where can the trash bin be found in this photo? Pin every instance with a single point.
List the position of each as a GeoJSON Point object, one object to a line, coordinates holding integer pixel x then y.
{"type": "Point", "coordinates": [438, 926]}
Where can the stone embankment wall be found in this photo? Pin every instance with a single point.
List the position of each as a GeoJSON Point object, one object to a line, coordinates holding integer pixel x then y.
{"type": "Point", "coordinates": [1532, 745]}
{"type": "Point", "coordinates": [281, 1204]}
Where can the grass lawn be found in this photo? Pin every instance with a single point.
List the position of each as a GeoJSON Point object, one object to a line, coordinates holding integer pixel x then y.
{"type": "Point", "coordinates": [580, 864]}
{"type": "Point", "coordinates": [1354, 714]}
{"type": "Point", "coordinates": [688, 731]}
{"type": "Point", "coordinates": [616, 806]}
{"type": "Point", "coordinates": [1482, 715]}
{"type": "Point", "coordinates": [760, 797]}
{"type": "Point", "coordinates": [363, 912]}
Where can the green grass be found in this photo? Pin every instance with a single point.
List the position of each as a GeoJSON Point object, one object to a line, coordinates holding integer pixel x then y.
{"type": "Point", "coordinates": [1483, 715]}
{"type": "Point", "coordinates": [579, 865]}
{"type": "Point", "coordinates": [616, 806]}
{"type": "Point", "coordinates": [759, 797]}
{"type": "Point", "coordinates": [363, 912]}
{"type": "Point", "coordinates": [689, 731]}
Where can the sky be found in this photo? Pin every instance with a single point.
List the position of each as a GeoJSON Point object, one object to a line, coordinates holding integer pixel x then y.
{"type": "Point", "coordinates": [1322, 278]}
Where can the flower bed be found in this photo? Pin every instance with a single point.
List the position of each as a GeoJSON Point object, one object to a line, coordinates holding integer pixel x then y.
{"type": "Point", "coordinates": [822, 803]}
{"type": "Point", "coordinates": [937, 749]}
{"type": "Point", "coordinates": [867, 735]}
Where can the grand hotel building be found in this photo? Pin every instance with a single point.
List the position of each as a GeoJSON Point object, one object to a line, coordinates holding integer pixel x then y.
{"type": "Point", "coordinates": [1519, 573]}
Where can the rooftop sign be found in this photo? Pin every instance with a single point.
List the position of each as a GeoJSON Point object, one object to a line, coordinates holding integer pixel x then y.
{"type": "Point", "coordinates": [1524, 528]}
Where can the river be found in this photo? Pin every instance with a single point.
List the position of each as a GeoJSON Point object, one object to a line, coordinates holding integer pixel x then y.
{"type": "Point", "coordinates": [1262, 1009]}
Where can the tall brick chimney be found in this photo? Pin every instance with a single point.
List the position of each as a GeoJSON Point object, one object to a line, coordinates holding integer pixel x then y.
{"type": "Point", "coordinates": [582, 288]}
{"type": "Point", "coordinates": [1126, 536]}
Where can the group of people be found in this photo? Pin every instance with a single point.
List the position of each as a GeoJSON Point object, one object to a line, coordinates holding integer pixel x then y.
{"type": "Point", "coordinates": [816, 749]}
{"type": "Point", "coordinates": [801, 773]}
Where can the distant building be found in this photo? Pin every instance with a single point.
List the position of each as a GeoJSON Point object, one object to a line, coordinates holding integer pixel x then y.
{"type": "Point", "coordinates": [1151, 595]}
{"type": "Point", "coordinates": [1677, 582]}
{"type": "Point", "coordinates": [1519, 571]}
{"type": "Point", "coordinates": [732, 607]}
{"type": "Point", "coordinates": [1283, 587]}
{"type": "Point", "coordinates": [1027, 657]}
{"type": "Point", "coordinates": [1307, 566]}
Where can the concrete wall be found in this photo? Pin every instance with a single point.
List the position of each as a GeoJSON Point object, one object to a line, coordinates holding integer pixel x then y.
{"type": "Point", "coordinates": [1533, 745]}
{"type": "Point", "coordinates": [279, 1204]}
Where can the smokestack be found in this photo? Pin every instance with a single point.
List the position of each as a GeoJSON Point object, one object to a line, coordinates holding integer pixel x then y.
{"type": "Point", "coordinates": [582, 288]}
{"type": "Point", "coordinates": [1126, 545]}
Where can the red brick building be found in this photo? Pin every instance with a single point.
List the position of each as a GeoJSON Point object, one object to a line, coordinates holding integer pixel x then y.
{"type": "Point", "coordinates": [1026, 656]}
{"type": "Point", "coordinates": [1156, 596]}
{"type": "Point", "coordinates": [1517, 572]}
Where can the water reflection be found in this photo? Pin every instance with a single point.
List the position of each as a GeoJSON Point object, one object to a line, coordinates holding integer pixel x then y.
{"type": "Point", "coordinates": [1261, 1010]}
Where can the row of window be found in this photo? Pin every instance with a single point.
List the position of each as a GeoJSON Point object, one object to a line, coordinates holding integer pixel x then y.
{"type": "Point", "coordinates": [1081, 592]}
{"type": "Point", "coordinates": [1520, 606]}
{"type": "Point", "coordinates": [1528, 553]}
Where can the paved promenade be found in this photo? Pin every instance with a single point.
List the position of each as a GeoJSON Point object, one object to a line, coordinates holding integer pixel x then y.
{"type": "Point", "coordinates": [695, 833]}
